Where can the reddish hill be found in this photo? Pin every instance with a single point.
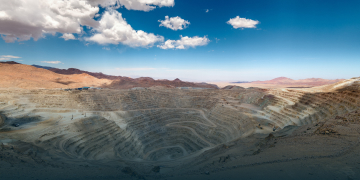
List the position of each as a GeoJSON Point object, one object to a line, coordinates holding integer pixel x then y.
{"type": "Point", "coordinates": [301, 82]}
{"type": "Point", "coordinates": [15, 75]}
{"type": "Point", "coordinates": [279, 80]}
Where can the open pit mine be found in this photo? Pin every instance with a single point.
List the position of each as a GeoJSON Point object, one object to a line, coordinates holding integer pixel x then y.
{"type": "Point", "coordinates": [181, 133]}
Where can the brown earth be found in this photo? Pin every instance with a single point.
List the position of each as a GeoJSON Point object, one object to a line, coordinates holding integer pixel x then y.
{"type": "Point", "coordinates": [29, 77]}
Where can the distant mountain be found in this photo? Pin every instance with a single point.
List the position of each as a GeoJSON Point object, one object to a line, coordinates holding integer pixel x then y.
{"type": "Point", "coordinates": [149, 82]}
{"type": "Point", "coordinates": [121, 82]}
{"type": "Point", "coordinates": [43, 67]}
{"type": "Point", "coordinates": [10, 62]}
{"type": "Point", "coordinates": [232, 87]}
{"type": "Point", "coordinates": [242, 82]}
{"type": "Point", "coordinates": [279, 80]}
{"type": "Point", "coordinates": [307, 82]}
{"type": "Point", "coordinates": [98, 75]}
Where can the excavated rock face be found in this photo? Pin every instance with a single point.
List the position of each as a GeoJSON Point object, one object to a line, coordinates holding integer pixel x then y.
{"type": "Point", "coordinates": [2, 120]}
{"type": "Point", "coordinates": [160, 124]}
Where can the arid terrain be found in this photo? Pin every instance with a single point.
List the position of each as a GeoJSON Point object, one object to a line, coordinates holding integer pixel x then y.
{"type": "Point", "coordinates": [120, 82]}
{"type": "Point", "coordinates": [179, 90]}
{"type": "Point", "coordinates": [164, 132]}
{"type": "Point", "coordinates": [281, 82]}
{"type": "Point", "coordinates": [15, 75]}
{"type": "Point", "coordinates": [30, 77]}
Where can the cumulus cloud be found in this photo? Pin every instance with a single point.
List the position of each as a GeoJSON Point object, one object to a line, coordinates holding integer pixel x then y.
{"type": "Point", "coordinates": [68, 36]}
{"type": "Point", "coordinates": [185, 42]}
{"type": "Point", "coordinates": [25, 19]}
{"type": "Point", "coordinates": [238, 22]}
{"type": "Point", "coordinates": [8, 57]}
{"type": "Point", "coordinates": [51, 62]}
{"type": "Point", "coordinates": [141, 5]}
{"type": "Point", "coordinates": [146, 5]}
{"type": "Point", "coordinates": [174, 23]}
{"type": "Point", "coordinates": [113, 29]}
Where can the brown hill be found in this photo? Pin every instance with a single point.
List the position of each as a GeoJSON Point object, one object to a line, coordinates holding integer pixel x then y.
{"type": "Point", "coordinates": [15, 75]}
{"type": "Point", "coordinates": [98, 75]}
{"type": "Point", "coordinates": [30, 77]}
{"type": "Point", "coordinates": [10, 62]}
{"type": "Point", "coordinates": [149, 82]}
{"type": "Point", "coordinates": [121, 82]}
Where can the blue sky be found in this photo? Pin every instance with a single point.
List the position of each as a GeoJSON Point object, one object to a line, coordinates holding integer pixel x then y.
{"type": "Point", "coordinates": [296, 39]}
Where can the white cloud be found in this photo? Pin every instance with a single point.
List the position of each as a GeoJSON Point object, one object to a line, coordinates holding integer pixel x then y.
{"type": "Point", "coordinates": [141, 5]}
{"type": "Point", "coordinates": [185, 42]}
{"type": "Point", "coordinates": [238, 22]}
{"type": "Point", "coordinates": [106, 48]}
{"type": "Point", "coordinates": [217, 40]}
{"type": "Point", "coordinates": [174, 23]}
{"type": "Point", "coordinates": [68, 36]}
{"type": "Point", "coordinates": [25, 19]}
{"type": "Point", "coordinates": [146, 5]}
{"type": "Point", "coordinates": [51, 62]}
{"type": "Point", "coordinates": [8, 57]}
{"type": "Point", "coordinates": [113, 29]}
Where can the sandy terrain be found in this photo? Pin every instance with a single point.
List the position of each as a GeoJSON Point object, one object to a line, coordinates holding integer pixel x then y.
{"type": "Point", "coordinates": [166, 133]}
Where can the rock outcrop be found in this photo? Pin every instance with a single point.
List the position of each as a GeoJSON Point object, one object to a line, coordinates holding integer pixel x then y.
{"type": "Point", "coordinates": [2, 120]}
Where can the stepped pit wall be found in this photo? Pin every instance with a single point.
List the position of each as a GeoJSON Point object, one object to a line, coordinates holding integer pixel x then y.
{"type": "Point", "coordinates": [158, 124]}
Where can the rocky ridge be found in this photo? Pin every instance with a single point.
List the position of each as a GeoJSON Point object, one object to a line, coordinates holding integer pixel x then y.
{"type": "Point", "coordinates": [121, 82]}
